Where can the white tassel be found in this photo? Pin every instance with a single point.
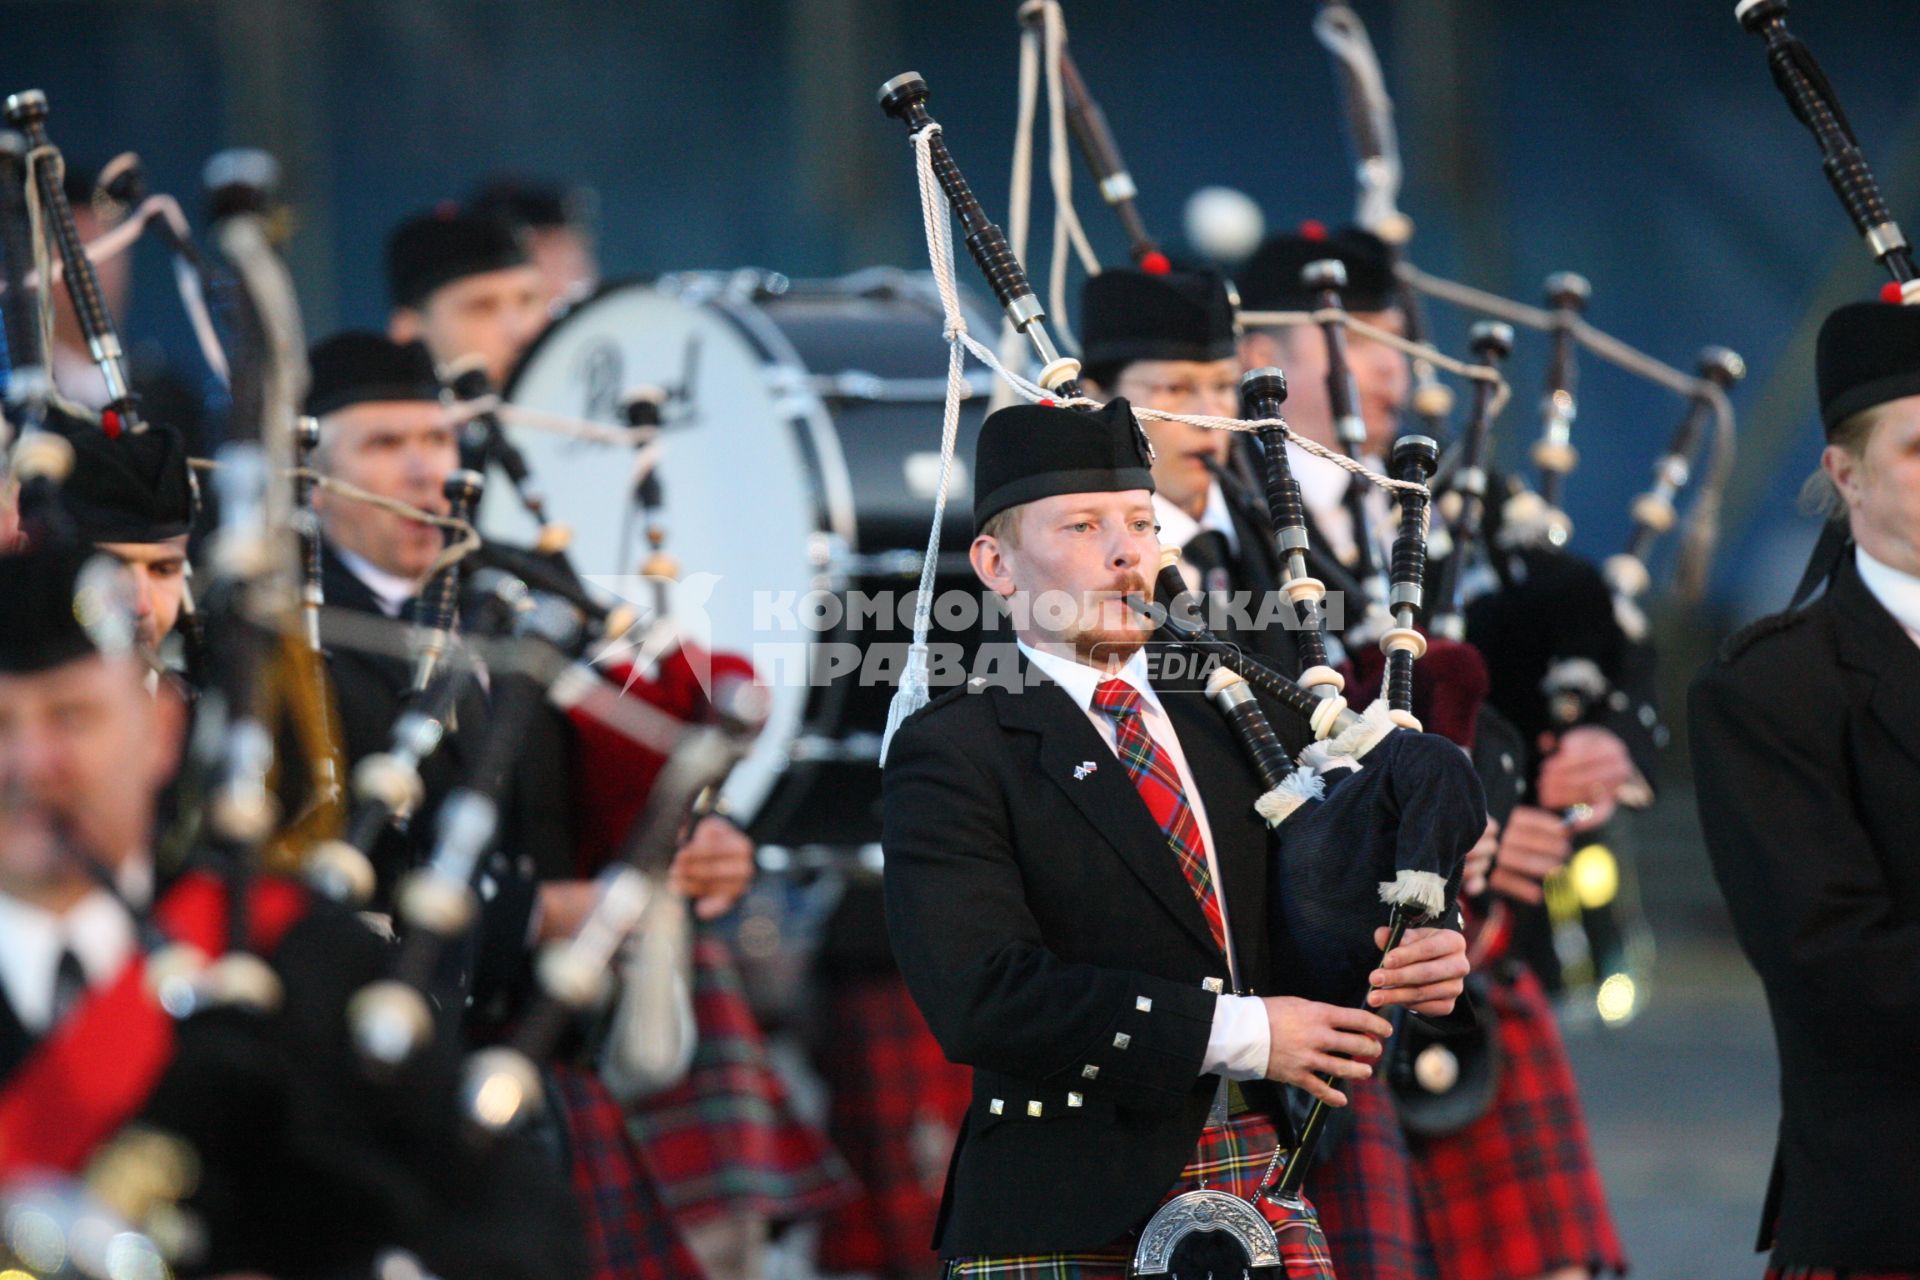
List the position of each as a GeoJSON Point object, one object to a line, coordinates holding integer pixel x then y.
{"type": "Point", "coordinates": [1376, 722]}
{"type": "Point", "coordinates": [1295, 790]}
{"type": "Point", "coordinates": [914, 693]}
{"type": "Point", "coordinates": [1426, 890]}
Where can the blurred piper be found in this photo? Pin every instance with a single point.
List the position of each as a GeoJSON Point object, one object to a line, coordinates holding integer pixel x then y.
{"type": "Point", "coordinates": [132, 497]}
{"type": "Point", "coordinates": [464, 285]}
{"type": "Point", "coordinates": [555, 226]}
{"type": "Point", "coordinates": [256, 1129]}
{"type": "Point", "coordinates": [1271, 281]}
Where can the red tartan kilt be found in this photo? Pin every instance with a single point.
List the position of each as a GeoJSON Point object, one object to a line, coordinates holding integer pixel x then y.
{"type": "Point", "coordinates": [1516, 1193]}
{"type": "Point", "coordinates": [1235, 1159]}
{"type": "Point", "coordinates": [897, 1108]}
{"type": "Point", "coordinates": [630, 1232]}
{"type": "Point", "coordinates": [725, 1139]}
{"type": "Point", "coordinates": [1365, 1194]}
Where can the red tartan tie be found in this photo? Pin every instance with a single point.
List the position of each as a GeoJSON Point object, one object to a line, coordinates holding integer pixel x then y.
{"type": "Point", "coordinates": [1158, 782]}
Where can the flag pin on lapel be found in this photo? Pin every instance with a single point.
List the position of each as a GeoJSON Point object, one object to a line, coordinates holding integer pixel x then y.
{"type": "Point", "coordinates": [1081, 770]}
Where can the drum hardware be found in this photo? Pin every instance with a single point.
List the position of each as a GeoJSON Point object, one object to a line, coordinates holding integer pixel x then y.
{"type": "Point", "coordinates": [818, 748]}
{"type": "Point", "coordinates": [858, 384]}
{"type": "Point", "coordinates": [813, 485]}
{"type": "Point", "coordinates": [898, 564]}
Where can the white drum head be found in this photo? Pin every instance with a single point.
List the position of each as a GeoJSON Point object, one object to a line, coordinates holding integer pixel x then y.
{"type": "Point", "coordinates": [750, 471]}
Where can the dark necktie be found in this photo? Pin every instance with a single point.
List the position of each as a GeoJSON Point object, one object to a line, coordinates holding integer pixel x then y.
{"type": "Point", "coordinates": [1209, 552]}
{"type": "Point", "coordinates": [69, 984]}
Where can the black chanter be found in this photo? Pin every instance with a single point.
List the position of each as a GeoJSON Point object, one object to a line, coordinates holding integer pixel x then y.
{"type": "Point", "coordinates": [26, 363]}
{"type": "Point", "coordinates": [1327, 278]}
{"type": "Point", "coordinates": [905, 99]}
{"type": "Point", "coordinates": [465, 382]}
{"type": "Point", "coordinates": [440, 601]}
{"type": "Point", "coordinates": [37, 460]}
{"type": "Point", "coordinates": [503, 1088]}
{"type": "Point", "coordinates": [1807, 90]}
{"type": "Point", "coordinates": [1553, 453]}
{"type": "Point", "coordinates": [1414, 460]}
{"type": "Point", "coordinates": [1088, 124]}
{"type": "Point", "coordinates": [393, 1018]}
{"type": "Point", "coordinates": [1263, 394]}
{"type": "Point", "coordinates": [1492, 342]}
{"type": "Point", "coordinates": [1655, 512]}
{"type": "Point", "coordinates": [27, 112]}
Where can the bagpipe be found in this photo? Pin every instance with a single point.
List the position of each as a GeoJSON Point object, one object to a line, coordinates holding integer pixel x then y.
{"type": "Point", "coordinates": [1344, 859]}
{"type": "Point", "coordinates": [265, 822]}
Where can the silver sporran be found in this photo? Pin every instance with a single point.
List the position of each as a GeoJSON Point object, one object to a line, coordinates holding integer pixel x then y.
{"type": "Point", "coordinates": [1205, 1211]}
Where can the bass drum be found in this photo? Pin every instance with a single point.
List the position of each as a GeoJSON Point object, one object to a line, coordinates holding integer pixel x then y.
{"type": "Point", "coordinates": [799, 459]}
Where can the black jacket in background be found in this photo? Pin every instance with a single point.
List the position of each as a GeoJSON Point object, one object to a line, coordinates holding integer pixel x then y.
{"type": "Point", "coordinates": [1806, 756]}
{"type": "Point", "coordinates": [310, 1168]}
{"type": "Point", "coordinates": [536, 839]}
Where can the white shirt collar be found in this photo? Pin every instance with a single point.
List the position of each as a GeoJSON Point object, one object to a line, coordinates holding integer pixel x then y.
{"type": "Point", "coordinates": [390, 590]}
{"type": "Point", "coordinates": [97, 930]}
{"type": "Point", "coordinates": [1080, 680]}
{"type": "Point", "coordinates": [1177, 528]}
{"type": "Point", "coordinates": [1897, 592]}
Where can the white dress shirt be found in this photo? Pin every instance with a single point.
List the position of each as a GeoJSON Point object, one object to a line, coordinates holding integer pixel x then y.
{"type": "Point", "coordinates": [1177, 528]}
{"type": "Point", "coordinates": [1238, 1045]}
{"type": "Point", "coordinates": [390, 591]}
{"type": "Point", "coordinates": [1323, 489]}
{"type": "Point", "coordinates": [1897, 592]}
{"type": "Point", "coordinates": [97, 930]}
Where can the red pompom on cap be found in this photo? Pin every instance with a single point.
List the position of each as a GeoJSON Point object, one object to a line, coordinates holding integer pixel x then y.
{"type": "Point", "coordinates": [1891, 292]}
{"type": "Point", "coordinates": [110, 423]}
{"type": "Point", "coordinates": [1155, 263]}
{"type": "Point", "coordinates": [1313, 229]}
{"type": "Point", "coordinates": [1047, 404]}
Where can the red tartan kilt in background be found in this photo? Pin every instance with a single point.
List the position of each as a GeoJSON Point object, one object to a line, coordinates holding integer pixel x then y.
{"type": "Point", "coordinates": [630, 1232]}
{"type": "Point", "coordinates": [897, 1108]}
{"type": "Point", "coordinates": [1516, 1193]}
{"type": "Point", "coordinates": [725, 1139]}
{"type": "Point", "coordinates": [1365, 1194]}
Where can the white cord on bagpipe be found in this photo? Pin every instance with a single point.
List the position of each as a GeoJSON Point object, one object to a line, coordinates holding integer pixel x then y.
{"type": "Point", "coordinates": [1041, 44]}
{"type": "Point", "coordinates": [1703, 521]}
{"type": "Point", "coordinates": [915, 685]}
{"type": "Point", "coordinates": [1066, 223]}
{"type": "Point", "coordinates": [1020, 195]}
{"type": "Point", "coordinates": [1378, 177]}
{"type": "Point", "coordinates": [109, 246]}
{"type": "Point", "coordinates": [914, 690]}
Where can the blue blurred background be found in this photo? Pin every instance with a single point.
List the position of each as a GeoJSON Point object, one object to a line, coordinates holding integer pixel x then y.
{"type": "Point", "coordinates": [1639, 142]}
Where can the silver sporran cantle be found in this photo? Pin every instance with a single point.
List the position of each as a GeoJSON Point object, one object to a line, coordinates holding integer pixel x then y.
{"type": "Point", "coordinates": [1195, 1212]}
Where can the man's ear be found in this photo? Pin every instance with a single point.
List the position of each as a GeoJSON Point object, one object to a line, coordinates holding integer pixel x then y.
{"type": "Point", "coordinates": [1843, 468]}
{"type": "Point", "coordinates": [405, 324]}
{"type": "Point", "coordinates": [990, 565]}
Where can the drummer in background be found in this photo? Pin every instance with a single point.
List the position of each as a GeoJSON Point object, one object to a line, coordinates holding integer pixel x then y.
{"type": "Point", "coordinates": [464, 285]}
{"type": "Point", "coordinates": [555, 227]}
